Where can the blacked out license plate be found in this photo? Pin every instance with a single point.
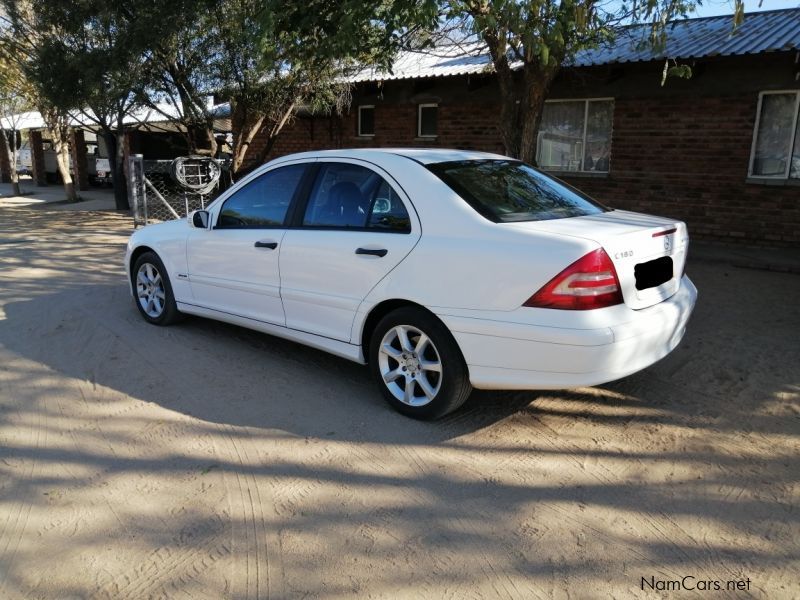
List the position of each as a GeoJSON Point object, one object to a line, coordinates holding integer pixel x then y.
{"type": "Point", "coordinates": [653, 273]}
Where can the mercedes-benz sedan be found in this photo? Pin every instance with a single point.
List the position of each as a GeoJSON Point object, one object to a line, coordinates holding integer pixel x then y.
{"type": "Point", "coordinates": [442, 270]}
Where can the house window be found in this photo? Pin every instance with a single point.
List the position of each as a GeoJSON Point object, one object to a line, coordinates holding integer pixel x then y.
{"type": "Point", "coordinates": [427, 117]}
{"type": "Point", "coordinates": [776, 139]}
{"type": "Point", "coordinates": [366, 120]}
{"type": "Point", "coordinates": [575, 135]}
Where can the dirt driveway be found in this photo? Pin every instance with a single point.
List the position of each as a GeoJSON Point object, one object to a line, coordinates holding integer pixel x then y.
{"type": "Point", "coordinates": [207, 461]}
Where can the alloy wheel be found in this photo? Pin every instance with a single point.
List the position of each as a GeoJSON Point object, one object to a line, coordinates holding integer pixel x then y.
{"type": "Point", "coordinates": [410, 365]}
{"type": "Point", "coordinates": [150, 290]}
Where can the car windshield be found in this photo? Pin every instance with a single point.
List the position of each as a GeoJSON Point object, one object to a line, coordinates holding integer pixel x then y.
{"type": "Point", "coordinates": [509, 191]}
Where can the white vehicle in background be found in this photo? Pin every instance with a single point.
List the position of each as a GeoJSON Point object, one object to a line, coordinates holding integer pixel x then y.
{"type": "Point", "coordinates": [101, 173]}
{"type": "Point", "coordinates": [443, 270]}
{"type": "Point", "coordinates": [97, 164]}
{"type": "Point", "coordinates": [24, 159]}
{"type": "Point", "coordinates": [50, 162]}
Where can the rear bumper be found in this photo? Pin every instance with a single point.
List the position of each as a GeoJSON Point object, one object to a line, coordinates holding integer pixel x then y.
{"type": "Point", "coordinates": [516, 355]}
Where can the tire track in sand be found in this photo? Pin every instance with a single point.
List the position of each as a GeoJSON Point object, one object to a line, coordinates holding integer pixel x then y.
{"type": "Point", "coordinates": [250, 535]}
{"type": "Point", "coordinates": [21, 507]}
{"type": "Point", "coordinates": [250, 532]}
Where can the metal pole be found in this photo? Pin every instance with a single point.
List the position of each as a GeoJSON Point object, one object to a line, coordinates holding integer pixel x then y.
{"type": "Point", "coordinates": [143, 186]}
{"type": "Point", "coordinates": [135, 175]}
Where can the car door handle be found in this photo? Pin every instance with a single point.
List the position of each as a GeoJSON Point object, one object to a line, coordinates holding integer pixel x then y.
{"type": "Point", "coordinates": [270, 245]}
{"type": "Point", "coordinates": [371, 252]}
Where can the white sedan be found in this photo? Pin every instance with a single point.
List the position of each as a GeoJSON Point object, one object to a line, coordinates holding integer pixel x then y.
{"type": "Point", "coordinates": [442, 270]}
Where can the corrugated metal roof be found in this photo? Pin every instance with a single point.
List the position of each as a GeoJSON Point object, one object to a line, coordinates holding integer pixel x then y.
{"type": "Point", "coordinates": [23, 121]}
{"type": "Point", "coordinates": [767, 31]}
{"type": "Point", "coordinates": [166, 113]}
{"type": "Point", "coordinates": [461, 59]}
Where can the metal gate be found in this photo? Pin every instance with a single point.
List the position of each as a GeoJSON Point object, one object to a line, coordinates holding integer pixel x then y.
{"type": "Point", "coordinates": [162, 190]}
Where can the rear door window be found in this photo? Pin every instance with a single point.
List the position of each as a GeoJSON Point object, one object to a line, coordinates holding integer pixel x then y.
{"type": "Point", "coordinates": [347, 196]}
{"type": "Point", "coordinates": [509, 191]}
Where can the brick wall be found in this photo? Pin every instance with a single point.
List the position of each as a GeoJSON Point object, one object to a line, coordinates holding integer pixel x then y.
{"type": "Point", "coordinates": [687, 157]}
{"type": "Point", "coordinates": [466, 126]}
{"type": "Point", "coordinates": [679, 155]}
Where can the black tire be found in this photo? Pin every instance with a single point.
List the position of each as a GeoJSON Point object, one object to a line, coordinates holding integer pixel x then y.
{"type": "Point", "coordinates": [169, 313]}
{"type": "Point", "coordinates": [451, 384]}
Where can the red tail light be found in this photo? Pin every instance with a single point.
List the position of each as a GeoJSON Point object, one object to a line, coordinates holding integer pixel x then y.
{"type": "Point", "coordinates": [590, 282]}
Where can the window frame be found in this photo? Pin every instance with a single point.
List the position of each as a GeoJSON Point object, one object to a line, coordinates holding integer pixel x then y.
{"type": "Point", "coordinates": [295, 220]}
{"type": "Point", "coordinates": [419, 120]}
{"type": "Point", "coordinates": [792, 136]}
{"type": "Point", "coordinates": [359, 132]}
{"type": "Point", "coordinates": [582, 171]}
{"type": "Point", "coordinates": [297, 196]}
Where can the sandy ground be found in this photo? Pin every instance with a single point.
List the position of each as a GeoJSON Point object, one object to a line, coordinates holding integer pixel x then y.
{"type": "Point", "coordinates": [207, 461]}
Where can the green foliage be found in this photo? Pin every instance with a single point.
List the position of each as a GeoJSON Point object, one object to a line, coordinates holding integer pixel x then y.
{"type": "Point", "coordinates": [275, 57]}
{"type": "Point", "coordinates": [79, 54]}
{"type": "Point", "coordinates": [676, 70]}
{"type": "Point", "coordinates": [323, 33]}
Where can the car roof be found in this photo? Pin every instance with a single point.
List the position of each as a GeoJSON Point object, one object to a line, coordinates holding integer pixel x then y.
{"type": "Point", "coordinates": [421, 155]}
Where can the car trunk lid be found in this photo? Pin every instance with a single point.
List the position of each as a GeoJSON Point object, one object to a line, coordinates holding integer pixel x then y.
{"type": "Point", "coordinates": [649, 253]}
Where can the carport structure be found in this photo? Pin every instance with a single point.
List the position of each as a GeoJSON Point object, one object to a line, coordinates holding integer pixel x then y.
{"type": "Point", "coordinates": [163, 120]}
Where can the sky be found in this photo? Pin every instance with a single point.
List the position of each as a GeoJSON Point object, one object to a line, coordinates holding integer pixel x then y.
{"type": "Point", "coordinates": [711, 8]}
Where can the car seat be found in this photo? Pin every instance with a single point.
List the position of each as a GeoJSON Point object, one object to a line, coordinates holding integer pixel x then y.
{"type": "Point", "coordinates": [346, 206]}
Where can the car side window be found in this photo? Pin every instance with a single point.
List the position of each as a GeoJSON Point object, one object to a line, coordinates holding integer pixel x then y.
{"type": "Point", "coordinates": [387, 211]}
{"type": "Point", "coordinates": [347, 196]}
{"type": "Point", "coordinates": [263, 202]}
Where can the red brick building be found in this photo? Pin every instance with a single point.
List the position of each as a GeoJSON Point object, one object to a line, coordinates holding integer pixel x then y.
{"type": "Point", "coordinates": [720, 150]}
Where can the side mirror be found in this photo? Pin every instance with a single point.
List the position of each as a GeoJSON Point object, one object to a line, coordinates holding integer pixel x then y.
{"type": "Point", "coordinates": [199, 219]}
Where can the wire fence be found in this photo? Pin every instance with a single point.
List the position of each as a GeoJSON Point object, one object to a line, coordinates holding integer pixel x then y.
{"type": "Point", "coordinates": [163, 190]}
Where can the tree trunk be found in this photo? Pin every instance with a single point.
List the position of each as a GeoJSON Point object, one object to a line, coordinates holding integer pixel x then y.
{"type": "Point", "coordinates": [509, 122]}
{"type": "Point", "coordinates": [62, 160]}
{"type": "Point", "coordinates": [14, 175]}
{"type": "Point", "coordinates": [536, 88]}
{"type": "Point", "coordinates": [199, 123]}
{"type": "Point", "coordinates": [274, 132]}
{"type": "Point", "coordinates": [195, 134]}
{"type": "Point", "coordinates": [59, 128]}
{"type": "Point", "coordinates": [212, 140]}
{"type": "Point", "coordinates": [522, 97]}
{"type": "Point", "coordinates": [5, 159]}
{"type": "Point", "coordinates": [116, 158]}
{"type": "Point", "coordinates": [509, 94]}
{"type": "Point", "coordinates": [521, 107]}
{"type": "Point", "coordinates": [244, 130]}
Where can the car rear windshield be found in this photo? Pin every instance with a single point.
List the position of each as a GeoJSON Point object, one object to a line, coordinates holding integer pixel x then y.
{"type": "Point", "coordinates": [509, 191]}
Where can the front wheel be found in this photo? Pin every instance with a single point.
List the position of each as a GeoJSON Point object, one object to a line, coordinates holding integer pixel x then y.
{"type": "Point", "coordinates": [152, 290]}
{"type": "Point", "coordinates": [418, 365]}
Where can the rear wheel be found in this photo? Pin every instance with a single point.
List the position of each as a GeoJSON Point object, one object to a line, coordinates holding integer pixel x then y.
{"type": "Point", "coordinates": [152, 290]}
{"type": "Point", "coordinates": [417, 364]}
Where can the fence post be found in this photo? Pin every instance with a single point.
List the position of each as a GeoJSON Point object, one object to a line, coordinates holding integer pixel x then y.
{"type": "Point", "coordinates": [136, 189]}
